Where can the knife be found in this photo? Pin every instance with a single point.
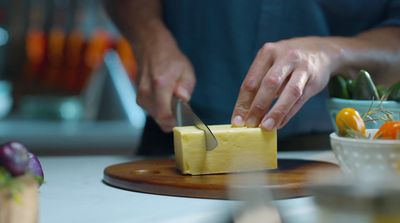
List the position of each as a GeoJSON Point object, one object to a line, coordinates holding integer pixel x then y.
{"type": "Point", "coordinates": [186, 117]}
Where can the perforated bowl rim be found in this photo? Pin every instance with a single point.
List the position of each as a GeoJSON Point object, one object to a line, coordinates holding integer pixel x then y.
{"type": "Point", "coordinates": [334, 136]}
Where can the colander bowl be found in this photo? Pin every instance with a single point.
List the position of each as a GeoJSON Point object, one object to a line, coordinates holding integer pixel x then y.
{"type": "Point", "coordinates": [363, 157]}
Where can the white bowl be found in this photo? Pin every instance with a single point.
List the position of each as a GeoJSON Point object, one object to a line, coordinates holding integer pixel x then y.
{"type": "Point", "coordinates": [363, 157]}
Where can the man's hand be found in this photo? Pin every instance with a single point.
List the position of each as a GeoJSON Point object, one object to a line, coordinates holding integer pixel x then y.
{"type": "Point", "coordinates": [292, 71]}
{"type": "Point", "coordinates": [164, 72]}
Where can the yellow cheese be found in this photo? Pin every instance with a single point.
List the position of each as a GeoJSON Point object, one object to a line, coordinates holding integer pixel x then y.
{"type": "Point", "coordinates": [239, 149]}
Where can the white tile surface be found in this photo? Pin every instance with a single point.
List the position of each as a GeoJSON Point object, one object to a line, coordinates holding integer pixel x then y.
{"type": "Point", "coordinates": [74, 192]}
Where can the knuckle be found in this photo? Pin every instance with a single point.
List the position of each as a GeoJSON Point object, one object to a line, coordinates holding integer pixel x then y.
{"type": "Point", "coordinates": [295, 91]}
{"type": "Point", "coordinates": [279, 112]}
{"type": "Point", "coordinates": [249, 85]}
{"type": "Point", "coordinates": [271, 81]}
{"type": "Point", "coordinates": [267, 47]}
{"type": "Point", "coordinates": [260, 107]}
{"type": "Point", "coordinates": [159, 81]}
{"type": "Point", "coordinates": [294, 55]}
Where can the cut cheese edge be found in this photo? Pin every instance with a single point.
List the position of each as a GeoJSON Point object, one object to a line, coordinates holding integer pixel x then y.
{"type": "Point", "coordinates": [239, 149]}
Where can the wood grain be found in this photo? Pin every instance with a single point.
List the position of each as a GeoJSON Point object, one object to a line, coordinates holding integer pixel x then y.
{"type": "Point", "coordinates": [162, 177]}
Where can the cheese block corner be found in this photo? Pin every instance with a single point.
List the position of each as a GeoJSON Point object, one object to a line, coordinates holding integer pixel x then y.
{"type": "Point", "coordinates": [239, 149]}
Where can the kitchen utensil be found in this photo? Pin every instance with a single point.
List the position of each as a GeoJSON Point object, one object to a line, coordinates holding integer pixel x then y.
{"type": "Point", "coordinates": [185, 116]}
{"type": "Point", "coordinates": [162, 177]}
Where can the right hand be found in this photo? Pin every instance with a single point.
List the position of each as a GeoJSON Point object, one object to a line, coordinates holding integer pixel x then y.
{"type": "Point", "coordinates": [164, 71]}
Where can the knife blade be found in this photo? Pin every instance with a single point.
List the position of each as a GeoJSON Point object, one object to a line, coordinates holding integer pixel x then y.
{"type": "Point", "coordinates": [185, 116]}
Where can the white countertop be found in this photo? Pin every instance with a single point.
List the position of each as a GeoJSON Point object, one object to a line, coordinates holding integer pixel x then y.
{"type": "Point", "coordinates": [74, 192]}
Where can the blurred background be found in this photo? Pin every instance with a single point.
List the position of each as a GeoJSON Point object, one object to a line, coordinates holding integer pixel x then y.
{"type": "Point", "coordinates": [66, 79]}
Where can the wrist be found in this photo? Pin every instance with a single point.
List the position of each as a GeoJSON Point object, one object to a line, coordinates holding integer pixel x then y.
{"type": "Point", "coordinates": [152, 34]}
{"type": "Point", "coordinates": [341, 55]}
{"type": "Point", "coordinates": [145, 29]}
{"type": "Point", "coordinates": [357, 53]}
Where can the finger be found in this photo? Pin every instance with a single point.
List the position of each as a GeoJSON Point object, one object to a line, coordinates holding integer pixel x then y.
{"type": "Point", "coordinates": [144, 96]}
{"type": "Point", "coordinates": [282, 87]}
{"type": "Point", "coordinates": [166, 125]}
{"type": "Point", "coordinates": [267, 92]}
{"type": "Point", "coordinates": [185, 85]}
{"type": "Point", "coordinates": [163, 85]}
{"type": "Point", "coordinates": [163, 113]}
{"type": "Point", "coordinates": [308, 93]}
{"type": "Point", "coordinates": [290, 95]}
{"type": "Point", "coordinates": [142, 71]}
{"type": "Point", "coordinates": [251, 84]}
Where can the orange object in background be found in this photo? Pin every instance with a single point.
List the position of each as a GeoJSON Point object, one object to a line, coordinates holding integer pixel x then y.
{"type": "Point", "coordinates": [56, 46]}
{"type": "Point", "coordinates": [61, 63]}
{"type": "Point", "coordinates": [389, 130]}
{"type": "Point", "coordinates": [97, 46]}
{"type": "Point", "coordinates": [36, 52]}
{"type": "Point", "coordinates": [74, 49]}
{"type": "Point", "coordinates": [127, 57]}
{"type": "Point", "coordinates": [54, 56]}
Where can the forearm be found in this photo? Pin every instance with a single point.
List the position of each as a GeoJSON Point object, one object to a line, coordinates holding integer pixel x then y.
{"type": "Point", "coordinates": [139, 21]}
{"type": "Point", "coordinates": [377, 51]}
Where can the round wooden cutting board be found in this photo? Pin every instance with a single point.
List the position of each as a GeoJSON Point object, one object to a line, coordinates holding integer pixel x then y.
{"type": "Point", "coordinates": [162, 177]}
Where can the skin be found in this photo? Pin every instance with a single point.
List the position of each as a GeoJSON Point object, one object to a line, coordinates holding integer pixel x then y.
{"type": "Point", "coordinates": [164, 71]}
{"type": "Point", "coordinates": [291, 71]}
{"type": "Point", "coordinates": [294, 70]}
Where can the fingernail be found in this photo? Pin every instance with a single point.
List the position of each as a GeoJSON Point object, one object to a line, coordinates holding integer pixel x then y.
{"type": "Point", "coordinates": [183, 93]}
{"type": "Point", "coordinates": [238, 121]}
{"type": "Point", "coordinates": [251, 122]}
{"type": "Point", "coordinates": [268, 124]}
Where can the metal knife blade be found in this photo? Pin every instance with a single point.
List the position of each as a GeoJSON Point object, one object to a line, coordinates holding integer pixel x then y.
{"type": "Point", "coordinates": [185, 116]}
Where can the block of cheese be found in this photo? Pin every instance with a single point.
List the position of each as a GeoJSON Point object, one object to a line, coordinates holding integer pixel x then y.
{"type": "Point", "coordinates": [239, 149]}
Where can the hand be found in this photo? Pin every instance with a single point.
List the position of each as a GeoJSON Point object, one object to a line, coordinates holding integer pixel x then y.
{"type": "Point", "coordinates": [163, 72]}
{"type": "Point", "coordinates": [292, 71]}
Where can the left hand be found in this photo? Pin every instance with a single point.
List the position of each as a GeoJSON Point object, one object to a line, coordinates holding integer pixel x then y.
{"type": "Point", "coordinates": [291, 70]}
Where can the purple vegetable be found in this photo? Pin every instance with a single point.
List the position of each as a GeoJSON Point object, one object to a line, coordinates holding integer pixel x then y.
{"type": "Point", "coordinates": [14, 157]}
{"type": "Point", "coordinates": [35, 168]}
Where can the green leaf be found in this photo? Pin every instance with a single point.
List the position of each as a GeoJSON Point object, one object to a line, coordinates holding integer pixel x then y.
{"type": "Point", "coordinates": [7, 181]}
{"type": "Point", "coordinates": [39, 179]}
{"type": "Point", "coordinates": [338, 87]}
{"type": "Point", "coordinates": [350, 87]}
{"type": "Point", "coordinates": [5, 177]}
{"type": "Point", "coordinates": [382, 92]}
{"type": "Point", "coordinates": [394, 92]}
{"type": "Point", "coordinates": [364, 87]}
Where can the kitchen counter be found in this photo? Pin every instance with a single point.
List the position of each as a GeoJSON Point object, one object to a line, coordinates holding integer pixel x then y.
{"type": "Point", "coordinates": [74, 192]}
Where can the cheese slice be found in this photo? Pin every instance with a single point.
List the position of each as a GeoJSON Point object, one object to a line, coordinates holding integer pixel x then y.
{"type": "Point", "coordinates": [239, 149]}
